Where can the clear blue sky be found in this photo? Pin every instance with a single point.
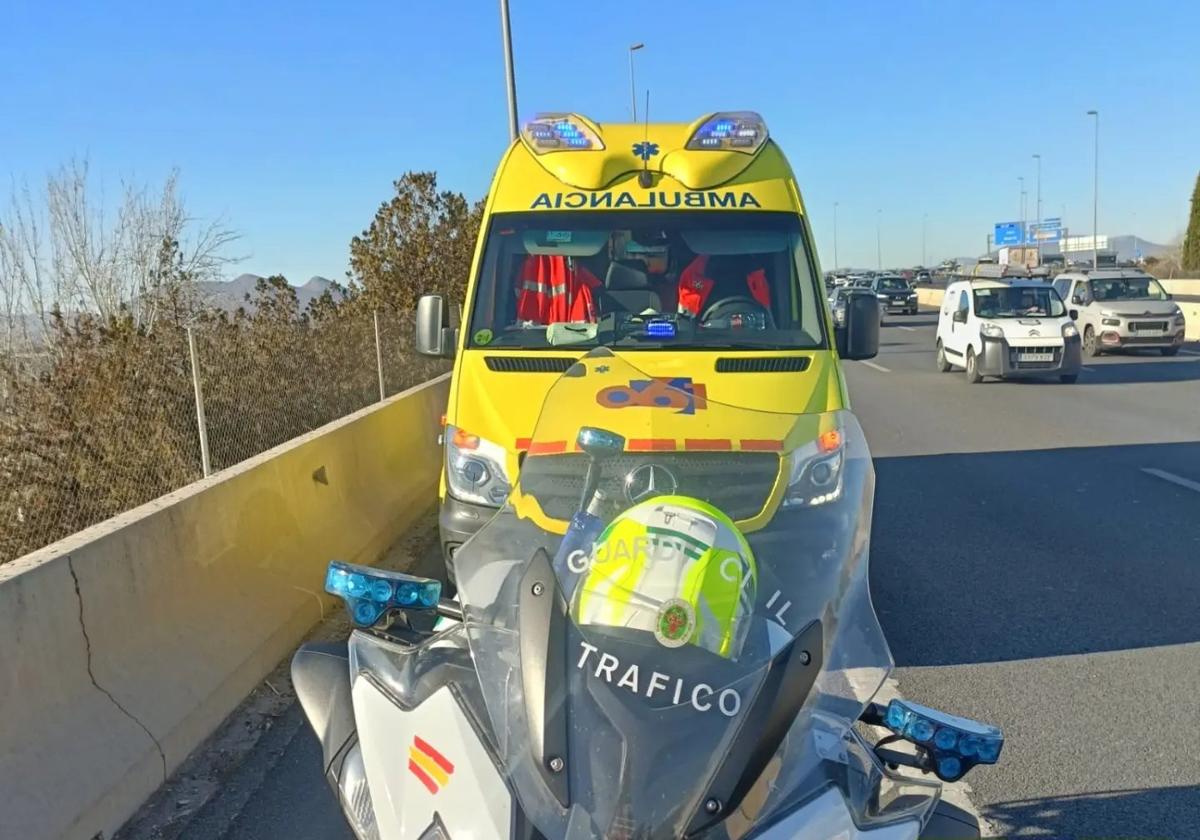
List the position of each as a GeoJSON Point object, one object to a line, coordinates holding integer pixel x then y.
{"type": "Point", "coordinates": [292, 119]}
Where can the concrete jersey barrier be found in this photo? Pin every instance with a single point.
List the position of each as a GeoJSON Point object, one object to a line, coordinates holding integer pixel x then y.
{"type": "Point", "coordinates": [125, 645]}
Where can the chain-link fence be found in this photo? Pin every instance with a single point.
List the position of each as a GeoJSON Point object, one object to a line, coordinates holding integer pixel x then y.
{"type": "Point", "coordinates": [106, 420]}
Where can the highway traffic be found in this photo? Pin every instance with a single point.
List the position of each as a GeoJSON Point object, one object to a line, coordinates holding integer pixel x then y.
{"type": "Point", "coordinates": [1033, 564]}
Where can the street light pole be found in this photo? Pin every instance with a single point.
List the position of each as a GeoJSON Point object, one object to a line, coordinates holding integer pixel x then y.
{"type": "Point", "coordinates": [924, 221]}
{"type": "Point", "coordinates": [878, 240]}
{"type": "Point", "coordinates": [1096, 192]}
{"type": "Point", "coordinates": [632, 88]}
{"type": "Point", "coordinates": [1024, 236]}
{"type": "Point", "coordinates": [1038, 239]}
{"type": "Point", "coordinates": [508, 71]}
{"type": "Point", "coordinates": [835, 253]}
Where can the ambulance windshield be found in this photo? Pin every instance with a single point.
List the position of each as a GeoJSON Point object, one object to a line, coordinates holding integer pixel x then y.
{"type": "Point", "coordinates": [642, 280]}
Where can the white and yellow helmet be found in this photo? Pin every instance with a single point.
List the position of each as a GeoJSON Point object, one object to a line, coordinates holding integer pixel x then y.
{"type": "Point", "coordinates": [674, 566]}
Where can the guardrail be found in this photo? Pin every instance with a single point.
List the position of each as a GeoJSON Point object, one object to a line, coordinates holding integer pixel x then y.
{"type": "Point", "coordinates": [127, 644]}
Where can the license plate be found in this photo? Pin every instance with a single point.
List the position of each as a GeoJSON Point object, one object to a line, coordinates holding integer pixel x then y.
{"type": "Point", "coordinates": [1035, 357]}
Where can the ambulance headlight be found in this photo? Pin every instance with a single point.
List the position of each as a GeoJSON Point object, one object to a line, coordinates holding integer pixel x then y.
{"type": "Point", "coordinates": [816, 471]}
{"type": "Point", "coordinates": [475, 470]}
{"type": "Point", "coordinates": [560, 133]}
{"type": "Point", "coordinates": [730, 131]}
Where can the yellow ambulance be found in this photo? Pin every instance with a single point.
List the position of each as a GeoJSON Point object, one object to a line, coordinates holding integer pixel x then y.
{"type": "Point", "coordinates": [682, 248]}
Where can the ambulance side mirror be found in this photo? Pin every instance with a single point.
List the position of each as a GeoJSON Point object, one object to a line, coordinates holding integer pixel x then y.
{"type": "Point", "coordinates": [858, 338]}
{"type": "Point", "coordinates": [435, 337]}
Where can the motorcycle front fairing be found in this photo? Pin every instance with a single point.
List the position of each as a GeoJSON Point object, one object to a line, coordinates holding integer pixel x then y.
{"type": "Point", "coordinates": [595, 723]}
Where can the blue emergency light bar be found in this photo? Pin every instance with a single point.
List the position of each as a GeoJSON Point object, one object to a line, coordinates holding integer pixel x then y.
{"type": "Point", "coordinates": [660, 329]}
{"type": "Point", "coordinates": [732, 131]}
{"type": "Point", "coordinates": [560, 133]}
{"type": "Point", "coordinates": [370, 593]}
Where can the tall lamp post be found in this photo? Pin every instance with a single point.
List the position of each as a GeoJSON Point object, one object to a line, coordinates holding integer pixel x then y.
{"type": "Point", "coordinates": [924, 222]}
{"type": "Point", "coordinates": [835, 253]}
{"type": "Point", "coordinates": [1038, 223]}
{"type": "Point", "coordinates": [632, 88]}
{"type": "Point", "coordinates": [1096, 192]}
{"type": "Point", "coordinates": [509, 78]}
{"type": "Point", "coordinates": [1024, 237]}
{"type": "Point", "coordinates": [878, 240]}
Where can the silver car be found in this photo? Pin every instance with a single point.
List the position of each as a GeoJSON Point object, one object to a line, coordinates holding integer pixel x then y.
{"type": "Point", "coordinates": [1121, 308]}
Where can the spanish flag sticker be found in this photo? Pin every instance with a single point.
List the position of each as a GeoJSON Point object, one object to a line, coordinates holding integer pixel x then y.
{"type": "Point", "coordinates": [429, 766]}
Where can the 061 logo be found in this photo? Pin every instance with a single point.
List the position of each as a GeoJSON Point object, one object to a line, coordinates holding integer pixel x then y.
{"type": "Point", "coordinates": [678, 393]}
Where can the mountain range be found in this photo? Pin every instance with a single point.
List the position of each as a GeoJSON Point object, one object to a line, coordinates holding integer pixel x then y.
{"type": "Point", "coordinates": [230, 295]}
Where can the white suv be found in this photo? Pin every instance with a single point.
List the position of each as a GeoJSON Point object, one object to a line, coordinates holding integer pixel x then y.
{"type": "Point", "coordinates": [1121, 307]}
{"type": "Point", "coordinates": [1006, 328]}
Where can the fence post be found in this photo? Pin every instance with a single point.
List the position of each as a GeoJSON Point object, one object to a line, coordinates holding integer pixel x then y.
{"type": "Point", "coordinates": [378, 355]}
{"type": "Point", "coordinates": [201, 423]}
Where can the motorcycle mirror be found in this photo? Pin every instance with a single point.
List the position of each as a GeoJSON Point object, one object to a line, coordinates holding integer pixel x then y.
{"type": "Point", "coordinates": [600, 443]}
{"type": "Point", "coordinates": [955, 744]}
{"type": "Point", "coordinates": [371, 593]}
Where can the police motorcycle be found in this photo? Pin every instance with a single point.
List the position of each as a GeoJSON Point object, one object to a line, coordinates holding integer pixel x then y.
{"type": "Point", "coordinates": [640, 650]}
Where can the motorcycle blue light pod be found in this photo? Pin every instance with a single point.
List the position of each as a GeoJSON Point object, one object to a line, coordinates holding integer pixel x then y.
{"type": "Point", "coordinates": [369, 593]}
{"type": "Point", "coordinates": [967, 742]}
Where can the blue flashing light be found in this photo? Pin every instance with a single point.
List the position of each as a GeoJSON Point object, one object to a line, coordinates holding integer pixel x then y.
{"type": "Point", "coordinates": [949, 767]}
{"type": "Point", "coordinates": [945, 739]}
{"type": "Point", "coordinates": [897, 717]}
{"type": "Point", "coordinates": [989, 750]}
{"type": "Point", "coordinates": [744, 131]}
{"type": "Point", "coordinates": [921, 729]}
{"type": "Point", "coordinates": [660, 329]}
{"type": "Point", "coordinates": [551, 132]}
{"type": "Point", "coordinates": [957, 744]}
{"type": "Point", "coordinates": [370, 593]}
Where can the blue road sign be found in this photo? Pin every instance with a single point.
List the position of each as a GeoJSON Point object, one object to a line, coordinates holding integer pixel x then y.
{"type": "Point", "coordinates": [1007, 233]}
{"type": "Point", "coordinates": [1048, 231]}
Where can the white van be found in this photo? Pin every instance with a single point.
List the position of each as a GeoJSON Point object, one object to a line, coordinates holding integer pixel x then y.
{"type": "Point", "coordinates": [1006, 328]}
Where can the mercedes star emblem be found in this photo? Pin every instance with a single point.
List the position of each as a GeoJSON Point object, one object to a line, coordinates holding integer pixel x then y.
{"type": "Point", "coordinates": [648, 481]}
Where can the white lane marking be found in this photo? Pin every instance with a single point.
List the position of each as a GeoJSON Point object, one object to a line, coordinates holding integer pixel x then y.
{"type": "Point", "coordinates": [1190, 352]}
{"type": "Point", "coordinates": [877, 367]}
{"type": "Point", "coordinates": [1174, 479]}
{"type": "Point", "coordinates": [1088, 369]}
{"type": "Point", "coordinates": [909, 329]}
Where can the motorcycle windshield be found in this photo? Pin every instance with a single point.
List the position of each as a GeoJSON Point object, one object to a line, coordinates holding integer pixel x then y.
{"type": "Point", "coordinates": [686, 654]}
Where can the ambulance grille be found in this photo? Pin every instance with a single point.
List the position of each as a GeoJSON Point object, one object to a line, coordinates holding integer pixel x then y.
{"type": "Point", "coordinates": [556, 481]}
{"type": "Point", "coordinates": [528, 364]}
{"type": "Point", "coordinates": [768, 364]}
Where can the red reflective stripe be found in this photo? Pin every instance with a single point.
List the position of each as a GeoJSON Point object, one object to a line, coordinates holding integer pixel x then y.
{"type": "Point", "coordinates": [709, 444]}
{"type": "Point", "coordinates": [523, 443]}
{"type": "Point", "coordinates": [759, 445]}
{"type": "Point", "coordinates": [545, 447]}
{"type": "Point", "coordinates": [650, 445]}
{"type": "Point", "coordinates": [415, 769]}
{"type": "Point", "coordinates": [757, 281]}
{"type": "Point", "coordinates": [439, 759]}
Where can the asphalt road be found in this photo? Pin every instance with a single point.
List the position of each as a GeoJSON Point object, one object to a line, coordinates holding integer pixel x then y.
{"type": "Point", "coordinates": [1035, 563]}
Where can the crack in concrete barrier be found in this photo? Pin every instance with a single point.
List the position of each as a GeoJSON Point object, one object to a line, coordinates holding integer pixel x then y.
{"type": "Point", "coordinates": [88, 643]}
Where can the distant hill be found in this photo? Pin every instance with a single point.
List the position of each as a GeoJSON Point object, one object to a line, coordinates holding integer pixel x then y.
{"type": "Point", "coordinates": [1127, 245]}
{"type": "Point", "coordinates": [231, 295]}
